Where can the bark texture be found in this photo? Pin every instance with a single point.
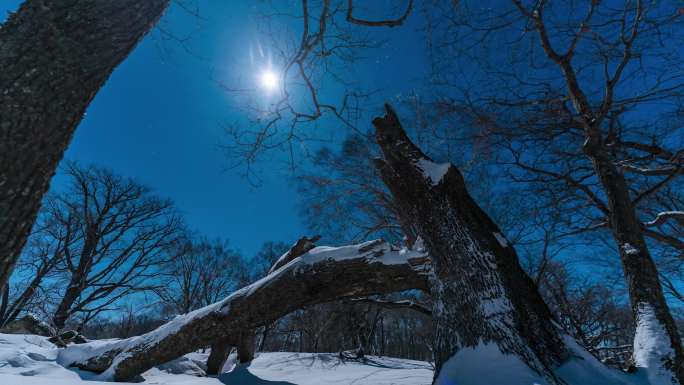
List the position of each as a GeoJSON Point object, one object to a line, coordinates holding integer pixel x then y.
{"type": "Point", "coordinates": [55, 56]}
{"type": "Point", "coordinates": [218, 356]}
{"type": "Point", "coordinates": [480, 292]}
{"type": "Point", "coordinates": [245, 347]}
{"type": "Point", "coordinates": [321, 275]}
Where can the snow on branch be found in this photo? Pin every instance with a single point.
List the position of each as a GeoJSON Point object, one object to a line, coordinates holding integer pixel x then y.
{"type": "Point", "coordinates": [663, 217]}
{"type": "Point", "coordinates": [650, 171]}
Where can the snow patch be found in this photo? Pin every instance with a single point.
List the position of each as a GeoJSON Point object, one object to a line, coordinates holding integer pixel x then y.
{"type": "Point", "coordinates": [485, 364]}
{"type": "Point", "coordinates": [629, 249]}
{"type": "Point", "coordinates": [373, 251]}
{"type": "Point", "coordinates": [652, 347]}
{"type": "Point", "coordinates": [433, 171]}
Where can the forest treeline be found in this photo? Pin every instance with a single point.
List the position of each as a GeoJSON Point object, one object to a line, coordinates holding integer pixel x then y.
{"type": "Point", "coordinates": [110, 258]}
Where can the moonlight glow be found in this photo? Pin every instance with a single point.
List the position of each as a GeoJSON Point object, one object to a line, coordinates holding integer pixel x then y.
{"type": "Point", "coordinates": [269, 80]}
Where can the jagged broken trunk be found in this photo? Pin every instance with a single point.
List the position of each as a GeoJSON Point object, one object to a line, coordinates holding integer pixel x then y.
{"type": "Point", "coordinates": [54, 57]}
{"type": "Point", "coordinates": [481, 294]}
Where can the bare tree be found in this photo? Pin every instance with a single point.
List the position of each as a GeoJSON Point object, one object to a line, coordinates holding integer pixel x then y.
{"type": "Point", "coordinates": [199, 273]}
{"type": "Point", "coordinates": [343, 197]}
{"type": "Point", "coordinates": [122, 233]}
{"type": "Point", "coordinates": [73, 48]}
{"type": "Point", "coordinates": [41, 261]}
{"type": "Point", "coordinates": [588, 116]}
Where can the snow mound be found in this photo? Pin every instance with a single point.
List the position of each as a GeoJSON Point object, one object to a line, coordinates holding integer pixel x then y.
{"type": "Point", "coordinates": [485, 364]}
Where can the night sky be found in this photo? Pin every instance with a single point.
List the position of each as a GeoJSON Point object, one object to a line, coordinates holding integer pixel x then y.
{"type": "Point", "coordinates": [161, 118]}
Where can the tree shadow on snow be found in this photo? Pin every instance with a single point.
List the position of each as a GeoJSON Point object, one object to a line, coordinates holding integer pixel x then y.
{"type": "Point", "coordinates": [241, 376]}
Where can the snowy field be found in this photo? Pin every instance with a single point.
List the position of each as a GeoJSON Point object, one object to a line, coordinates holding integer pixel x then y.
{"type": "Point", "coordinates": [31, 360]}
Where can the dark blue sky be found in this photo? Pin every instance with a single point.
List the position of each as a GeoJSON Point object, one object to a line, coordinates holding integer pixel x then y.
{"type": "Point", "coordinates": [160, 119]}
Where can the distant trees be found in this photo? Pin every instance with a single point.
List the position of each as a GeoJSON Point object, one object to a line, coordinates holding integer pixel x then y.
{"type": "Point", "coordinates": [343, 197]}
{"type": "Point", "coordinates": [350, 325]}
{"type": "Point", "coordinates": [54, 58]}
{"type": "Point", "coordinates": [198, 273]}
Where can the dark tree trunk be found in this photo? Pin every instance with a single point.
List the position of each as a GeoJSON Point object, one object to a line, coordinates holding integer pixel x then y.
{"type": "Point", "coordinates": [264, 336]}
{"type": "Point", "coordinates": [10, 313]}
{"type": "Point", "coordinates": [54, 57]}
{"type": "Point", "coordinates": [4, 305]}
{"type": "Point", "coordinates": [245, 346]}
{"type": "Point", "coordinates": [651, 314]}
{"type": "Point", "coordinates": [218, 356]}
{"type": "Point", "coordinates": [63, 311]}
{"type": "Point", "coordinates": [480, 292]}
{"type": "Point", "coordinates": [305, 281]}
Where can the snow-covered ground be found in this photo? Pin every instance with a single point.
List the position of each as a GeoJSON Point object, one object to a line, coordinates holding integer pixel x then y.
{"type": "Point", "coordinates": [31, 360]}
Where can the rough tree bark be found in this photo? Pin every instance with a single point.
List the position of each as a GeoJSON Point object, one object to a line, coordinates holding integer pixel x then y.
{"type": "Point", "coordinates": [218, 356]}
{"type": "Point", "coordinates": [480, 292]}
{"type": "Point", "coordinates": [321, 275]}
{"type": "Point", "coordinates": [245, 346]}
{"type": "Point", "coordinates": [657, 344]}
{"type": "Point", "coordinates": [54, 56]}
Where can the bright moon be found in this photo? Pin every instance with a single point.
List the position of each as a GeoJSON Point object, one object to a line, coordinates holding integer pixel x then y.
{"type": "Point", "coordinates": [269, 80]}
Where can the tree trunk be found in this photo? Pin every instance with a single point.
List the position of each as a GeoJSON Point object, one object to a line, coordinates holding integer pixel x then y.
{"type": "Point", "coordinates": [4, 299]}
{"type": "Point", "coordinates": [481, 294]}
{"type": "Point", "coordinates": [657, 345]}
{"type": "Point", "coordinates": [245, 346]}
{"type": "Point", "coordinates": [321, 275]}
{"type": "Point", "coordinates": [218, 356]}
{"type": "Point", "coordinates": [54, 56]}
{"type": "Point", "coordinates": [10, 313]}
{"type": "Point", "coordinates": [63, 311]}
{"type": "Point", "coordinates": [264, 336]}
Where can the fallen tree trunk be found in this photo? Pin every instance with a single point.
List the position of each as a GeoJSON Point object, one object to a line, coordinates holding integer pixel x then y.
{"type": "Point", "coordinates": [321, 275]}
{"type": "Point", "coordinates": [54, 56]}
{"type": "Point", "coordinates": [481, 295]}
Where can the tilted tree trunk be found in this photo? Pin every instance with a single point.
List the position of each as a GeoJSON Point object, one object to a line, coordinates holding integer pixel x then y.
{"type": "Point", "coordinates": [54, 57]}
{"type": "Point", "coordinates": [73, 291]}
{"type": "Point", "coordinates": [320, 275]}
{"type": "Point", "coordinates": [657, 344]}
{"type": "Point", "coordinates": [481, 294]}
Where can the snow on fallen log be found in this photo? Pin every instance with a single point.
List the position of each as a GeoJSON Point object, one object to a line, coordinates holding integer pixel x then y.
{"type": "Point", "coordinates": [321, 275]}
